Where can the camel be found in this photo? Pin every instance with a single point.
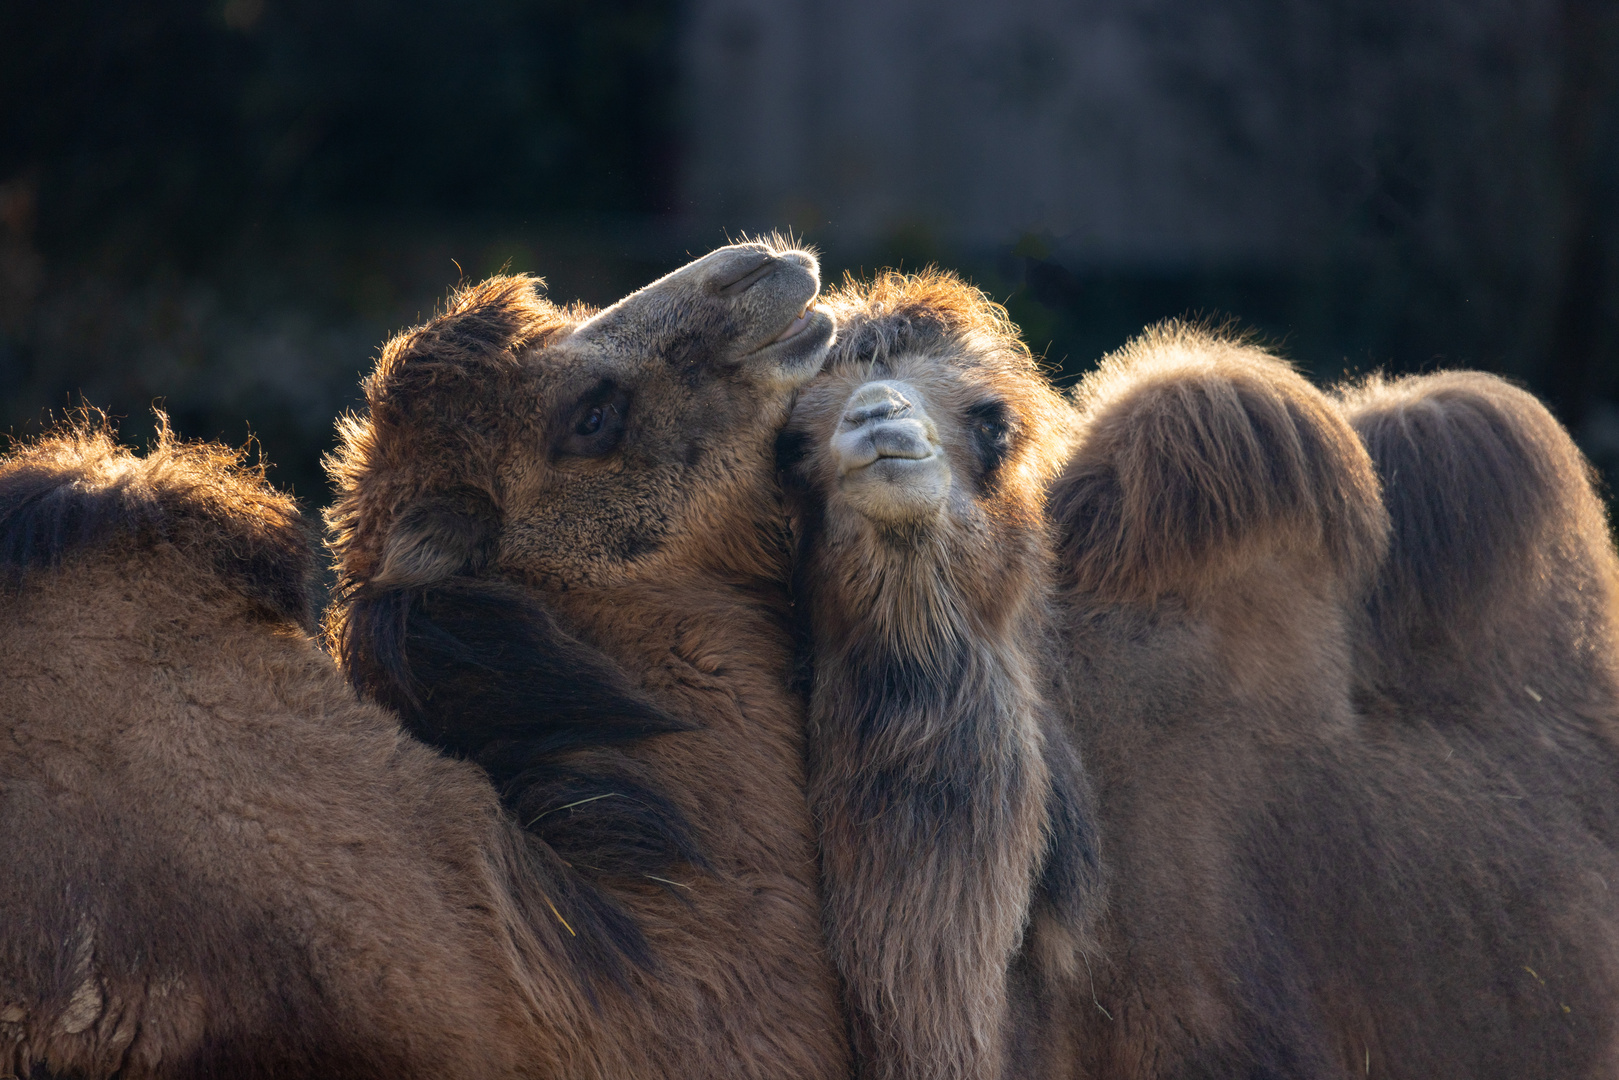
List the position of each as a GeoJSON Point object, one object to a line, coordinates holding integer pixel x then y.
{"type": "Point", "coordinates": [553, 513]}
{"type": "Point", "coordinates": [1304, 881]}
{"type": "Point", "coordinates": [917, 464]}
{"type": "Point", "coordinates": [1319, 856]}
{"type": "Point", "coordinates": [220, 863]}
{"type": "Point", "coordinates": [224, 863]}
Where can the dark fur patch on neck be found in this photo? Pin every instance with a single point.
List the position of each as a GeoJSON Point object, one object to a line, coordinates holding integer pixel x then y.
{"type": "Point", "coordinates": [878, 701]}
{"type": "Point", "coordinates": [480, 669]}
{"type": "Point", "coordinates": [1071, 871]}
{"type": "Point", "coordinates": [76, 490]}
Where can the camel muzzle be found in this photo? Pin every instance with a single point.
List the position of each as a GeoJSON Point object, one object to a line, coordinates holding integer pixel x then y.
{"type": "Point", "coordinates": [891, 464]}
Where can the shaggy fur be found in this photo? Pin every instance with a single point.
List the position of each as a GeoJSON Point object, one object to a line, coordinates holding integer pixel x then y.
{"type": "Point", "coordinates": [1500, 588]}
{"type": "Point", "coordinates": [1343, 832]}
{"type": "Point", "coordinates": [219, 863]}
{"type": "Point", "coordinates": [74, 491]}
{"type": "Point", "coordinates": [1200, 455]}
{"type": "Point", "coordinates": [937, 811]}
{"type": "Point", "coordinates": [1298, 888]}
{"type": "Point", "coordinates": [558, 536]}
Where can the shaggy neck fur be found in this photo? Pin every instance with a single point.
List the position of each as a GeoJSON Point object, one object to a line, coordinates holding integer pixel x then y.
{"type": "Point", "coordinates": [929, 787]}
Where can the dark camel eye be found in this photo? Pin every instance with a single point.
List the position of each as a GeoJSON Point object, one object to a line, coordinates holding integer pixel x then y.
{"type": "Point", "coordinates": [598, 422]}
{"type": "Point", "coordinates": [991, 425]}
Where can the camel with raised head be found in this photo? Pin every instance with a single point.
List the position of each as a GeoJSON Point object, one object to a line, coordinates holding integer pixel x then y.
{"type": "Point", "coordinates": [1294, 884]}
{"type": "Point", "coordinates": [562, 556]}
{"type": "Point", "coordinates": [223, 863]}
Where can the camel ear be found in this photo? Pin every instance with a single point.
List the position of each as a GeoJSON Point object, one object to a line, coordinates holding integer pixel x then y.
{"type": "Point", "coordinates": [437, 410]}
{"type": "Point", "coordinates": [438, 538]}
{"type": "Point", "coordinates": [1500, 558]}
{"type": "Point", "coordinates": [482, 329]}
{"type": "Point", "coordinates": [1199, 454]}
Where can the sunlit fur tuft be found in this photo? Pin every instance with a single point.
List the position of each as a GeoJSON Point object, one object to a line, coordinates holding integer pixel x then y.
{"type": "Point", "coordinates": [1201, 453]}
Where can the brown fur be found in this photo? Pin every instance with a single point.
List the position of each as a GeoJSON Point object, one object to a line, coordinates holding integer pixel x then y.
{"type": "Point", "coordinates": [1501, 586]}
{"type": "Point", "coordinates": [928, 771]}
{"type": "Point", "coordinates": [487, 561]}
{"type": "Point", "coordinates": [223, 864]}
{"type": "Point", "coordinates": [75, 490]}
{"type": "Point", "coordinates": [1200, 455]}
{"type": "Point", "coordinates": [218, 862]}
{"type": "Point", "coordinates": [1298, 888]}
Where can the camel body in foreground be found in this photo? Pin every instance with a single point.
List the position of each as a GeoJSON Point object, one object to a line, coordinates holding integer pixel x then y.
{"type": "Point", "coordinates": [224, 864]}
{"type": "Point", "coordinates": [1308, 876]}
{"type": "Point", "coordinates": [1336, 837]}
{"type": "Point", "coordinates": [220, 863]}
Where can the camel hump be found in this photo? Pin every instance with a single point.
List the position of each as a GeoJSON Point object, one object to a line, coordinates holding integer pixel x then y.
{"type": "Point", "coordinates": [1501, 563]}
{"type": "Point", "coordinates": [75, 490]}
{"type": "Point", "coordinates": [1200, 452]}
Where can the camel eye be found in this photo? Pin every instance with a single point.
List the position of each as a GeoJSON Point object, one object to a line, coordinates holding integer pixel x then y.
{"type": "Point", "coordinates": [991, 425]}
{"type": "Point", "coordinates": [598, 422]}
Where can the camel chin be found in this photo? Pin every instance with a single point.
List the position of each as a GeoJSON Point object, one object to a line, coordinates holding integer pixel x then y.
{"type": "Point", "coordinates": [891, 466]}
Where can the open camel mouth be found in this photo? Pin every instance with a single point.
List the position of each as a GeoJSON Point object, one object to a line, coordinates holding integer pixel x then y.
{"type": "Point", "coordinates": [795, 355]}
{"type": "Point", "coordinates": [794, 328]}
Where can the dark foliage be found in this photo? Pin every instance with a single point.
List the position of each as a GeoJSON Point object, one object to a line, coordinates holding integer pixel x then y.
{"type": "Point", "coordinates": [182, 118]}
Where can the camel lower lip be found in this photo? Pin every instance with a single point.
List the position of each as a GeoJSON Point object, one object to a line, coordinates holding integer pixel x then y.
{"type": "Point", "coordinates": [794, 328]}
{"type": "Point", "coordinates": [901, 460]}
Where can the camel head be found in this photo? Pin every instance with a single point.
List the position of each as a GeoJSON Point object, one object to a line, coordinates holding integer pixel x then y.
{"type": "Point", "coordinates": [571, 447]}
{"type": "Point", "coordinates": [931, 427]}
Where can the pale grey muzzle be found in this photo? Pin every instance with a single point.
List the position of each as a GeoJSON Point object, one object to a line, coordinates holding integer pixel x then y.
{"type": "Point", "coordinates": [890, 462]}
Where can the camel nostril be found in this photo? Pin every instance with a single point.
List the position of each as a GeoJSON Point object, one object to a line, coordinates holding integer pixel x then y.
{"type": "Point", "coordinates": [747, 280]}
{"type": "Point", "coordinates": [887, 409]}
{"type": "Point", "coordinates": [878, 401]}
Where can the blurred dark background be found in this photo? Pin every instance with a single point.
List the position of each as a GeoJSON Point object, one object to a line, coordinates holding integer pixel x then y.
{"type": "Point", "coordinates": [228, 205]}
